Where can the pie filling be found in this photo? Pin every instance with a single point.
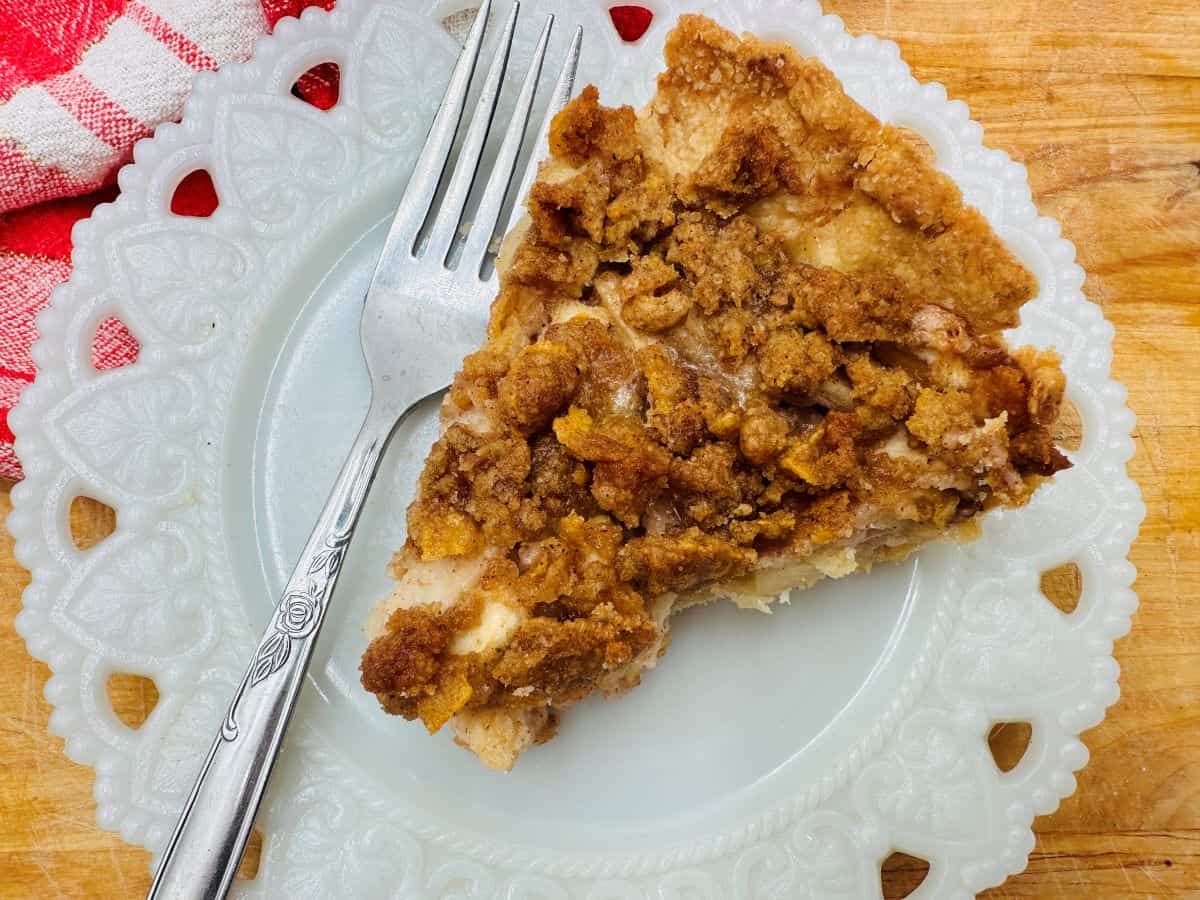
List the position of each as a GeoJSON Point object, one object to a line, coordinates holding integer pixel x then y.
{"type": "Point", "coordinates": [744, 340]}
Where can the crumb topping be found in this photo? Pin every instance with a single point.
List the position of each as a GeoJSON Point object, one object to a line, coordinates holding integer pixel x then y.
{"type": "Point", "coordinates": [753, 323]}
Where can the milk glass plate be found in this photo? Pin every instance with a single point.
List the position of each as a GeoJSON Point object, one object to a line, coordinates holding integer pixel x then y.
{"type": "Point", "coordinates": [779, 756]}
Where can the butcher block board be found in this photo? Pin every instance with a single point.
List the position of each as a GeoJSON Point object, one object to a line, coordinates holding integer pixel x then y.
{"type": "Point", "coordinates": [1101, 100]}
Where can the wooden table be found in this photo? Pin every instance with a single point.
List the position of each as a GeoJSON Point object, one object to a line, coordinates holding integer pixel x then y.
{"type": "Point", "coordinates": [1101, 100]}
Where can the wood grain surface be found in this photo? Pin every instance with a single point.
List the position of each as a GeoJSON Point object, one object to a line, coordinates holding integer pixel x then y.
{"type": "Point", "coordinates": [1101, 100]}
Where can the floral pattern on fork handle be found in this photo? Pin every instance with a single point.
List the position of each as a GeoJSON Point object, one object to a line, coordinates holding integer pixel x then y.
{"type": "Point", "coordinates": [206, 847]}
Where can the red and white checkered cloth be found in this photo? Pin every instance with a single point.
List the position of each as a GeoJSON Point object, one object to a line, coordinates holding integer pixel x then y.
{"type": "Point", "coordinates": [80, 82]}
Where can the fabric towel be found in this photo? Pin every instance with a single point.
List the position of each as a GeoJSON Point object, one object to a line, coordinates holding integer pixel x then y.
{"type": "Point", "coordinates": [80, 82]}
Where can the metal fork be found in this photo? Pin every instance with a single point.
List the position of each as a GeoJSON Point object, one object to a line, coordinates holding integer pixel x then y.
{"type": "Point", "coordinates": [421, 317]}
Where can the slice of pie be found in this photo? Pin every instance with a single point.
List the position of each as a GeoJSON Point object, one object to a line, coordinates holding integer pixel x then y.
{"type": "Point", "coordinates": [744, 340]}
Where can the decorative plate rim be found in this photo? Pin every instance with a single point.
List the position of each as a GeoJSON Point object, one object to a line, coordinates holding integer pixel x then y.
{"type": "Point", "coordinates": [178, 359]}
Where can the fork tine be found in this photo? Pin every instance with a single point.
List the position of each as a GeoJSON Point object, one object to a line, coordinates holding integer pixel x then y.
{"type": "Point", "coordinates": [563, 89]}
{"type": "Point", "coordinates": [492, 201]}
{"type": "Point", "coordinates": [422, 185]}
{"type": "Point", "coordinates": [445, 227]}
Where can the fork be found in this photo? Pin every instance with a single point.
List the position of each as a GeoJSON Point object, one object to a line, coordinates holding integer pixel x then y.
{"type": "Point", "coordinates": [423, 314]}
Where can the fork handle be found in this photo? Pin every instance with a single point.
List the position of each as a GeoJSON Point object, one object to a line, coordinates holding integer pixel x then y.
{"type": "Point", "coordinates": [202, 857]}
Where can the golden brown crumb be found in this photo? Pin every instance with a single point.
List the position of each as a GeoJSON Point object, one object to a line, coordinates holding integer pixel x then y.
{"type": "Point", "coordinates": [563, 660]}
{"type": "Point", "coordinates": [658, 564]}
{"type": "Point", "coordinates": [884, 395]}
{"type": "Point", "coordinates": [407, 668]}
{"type": "Point", "coordinates": [763, 435]}
{"type": "Point", "coordinates": [796, 363]}
{"type": "Point", "coordinates": [592, 133]}
{"type": "Point", "coordinates": [541, 381]}
{"type": "Point", "coordinates": [676, 413]}
{"type": "Point", "coordinates": [749, 162]}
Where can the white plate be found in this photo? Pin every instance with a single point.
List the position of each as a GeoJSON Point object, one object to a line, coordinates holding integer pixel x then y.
{"type": "Point", "coordinates": [780, 756]}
